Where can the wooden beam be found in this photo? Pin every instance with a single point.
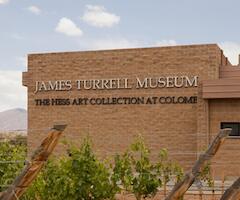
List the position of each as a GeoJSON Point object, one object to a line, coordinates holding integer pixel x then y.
{"type": "Point", "coordinates": [33, 167]}
{"type": "Point", "coordinates": [181, 187]}
{"type": "Point", "coordinates": [233, 192]}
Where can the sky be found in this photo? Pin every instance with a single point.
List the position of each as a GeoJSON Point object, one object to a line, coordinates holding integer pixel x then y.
{"type": "Point", "coordinates": [30, 26]}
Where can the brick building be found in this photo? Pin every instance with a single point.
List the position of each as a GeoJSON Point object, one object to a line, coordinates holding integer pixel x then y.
{"type": "Point", "coordinates": [175, 97]}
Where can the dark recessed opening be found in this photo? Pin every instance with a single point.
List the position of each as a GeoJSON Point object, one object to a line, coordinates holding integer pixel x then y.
{"type": "Point", "coordinates": [235, 126]}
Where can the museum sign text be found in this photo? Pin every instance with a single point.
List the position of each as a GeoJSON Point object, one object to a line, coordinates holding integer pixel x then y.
{"type": "Point", "coordinates": [117, 84]}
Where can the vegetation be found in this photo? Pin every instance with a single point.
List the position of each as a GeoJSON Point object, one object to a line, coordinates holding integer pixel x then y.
{"type": "Point", "coordinates": [138, 175]}
{"type": "Point", "coordinates": [12, 156]}
{"type": "Point", "coordinates": [81, 175]}
{"type": "Point", "coordinates": [14, 136]}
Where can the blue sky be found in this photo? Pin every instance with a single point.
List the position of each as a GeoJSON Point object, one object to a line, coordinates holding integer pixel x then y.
{"type": "Point", "coordinates": [29, 26]}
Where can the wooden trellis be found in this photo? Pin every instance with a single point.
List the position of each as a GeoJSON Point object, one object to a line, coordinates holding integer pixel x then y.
{"type": "Point", "coordinates": [33, 167]}
{"type": "Point", "coordinates": [41, 154]}
{"type": "Point", "coordinates": [180, 188]}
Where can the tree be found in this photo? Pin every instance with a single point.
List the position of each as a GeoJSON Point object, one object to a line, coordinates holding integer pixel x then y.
{"type": "Point", "coordinates": [90, 176]}
{"type": "Point", "coordinates": [145, 181]}
{"type": "Point", "coordinates": [136, 173]}
{"type": "Point", "coordinates": [53, 183]}
{"type": "Point", "coordinates": [80, 175]}
{"type": "Point", "coordinates": [167, 169]}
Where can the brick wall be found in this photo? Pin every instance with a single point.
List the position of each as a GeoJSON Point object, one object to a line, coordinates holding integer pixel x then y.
{"type": "Point", "coordinates": [227, 160]}
{"type": "Point", "coordinates": [188, 196]}
{"type": "Point", "coordinates": [182, 129]}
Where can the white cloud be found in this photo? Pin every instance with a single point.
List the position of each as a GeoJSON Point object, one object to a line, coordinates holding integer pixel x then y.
{"type": "Point", "coordinates": [68, 27]}
{"type": "Point", "coordinates": [4, 1]}
{"type": "Point", "coordinates": [166, 43]}
{"type": "Point", "coordinates": [35, 10]}
{"type": "Point", "coordinates": [231, 50]}
{"type": "Point", "coordinates": [98, 16]}
{"type": "Point", "coordinates": [123, 43]}
{"type": "Point", "coordinates": [12, 93]}
{"type": "Point", "coordinates": [119, 43]}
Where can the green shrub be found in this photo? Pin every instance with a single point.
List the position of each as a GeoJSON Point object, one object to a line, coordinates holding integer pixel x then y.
{"type": "Point", "coordinates": [138, 175]}
{"type": "Point", "coordinates": [81, 175]}
{"type": "Point", "coordinates": [11, 162]}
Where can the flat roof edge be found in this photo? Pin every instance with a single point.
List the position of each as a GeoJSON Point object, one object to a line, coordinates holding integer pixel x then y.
{"type": "Point", "coordinates": [126, 49]}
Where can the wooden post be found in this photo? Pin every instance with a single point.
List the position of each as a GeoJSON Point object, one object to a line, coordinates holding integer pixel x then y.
{"type": "Point", "coordinates": [181, 187]}
{"type": "Point", "coordinates": [200, 195]}
{"type": "Point", "coordinates": [233, 192]}
{"type": "Point", "coordinates": [164, 189]}
{"type": "Point", "coordinates": [37, 161]}
{"type": "Point", "coordinates": [213, 188]}
{"type": "Point", "coordinates": [223, 180]}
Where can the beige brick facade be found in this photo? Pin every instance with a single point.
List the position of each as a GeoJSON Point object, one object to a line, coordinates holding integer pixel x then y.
{"type": "Point", "coordinates": [184, 129]}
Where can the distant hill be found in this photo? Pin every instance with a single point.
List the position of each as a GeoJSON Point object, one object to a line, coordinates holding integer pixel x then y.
{"type": "Point", "coordinates": [14, 119]}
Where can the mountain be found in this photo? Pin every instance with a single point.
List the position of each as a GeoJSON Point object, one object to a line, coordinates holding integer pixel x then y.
{"type": "Point", "coordinates": [14, 119]}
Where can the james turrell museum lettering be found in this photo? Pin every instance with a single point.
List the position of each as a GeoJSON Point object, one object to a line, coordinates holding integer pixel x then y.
{"type": "Point", "coordinates": [176, 97]}
{"type": "Point", "coordinates": [117, 83]}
